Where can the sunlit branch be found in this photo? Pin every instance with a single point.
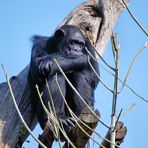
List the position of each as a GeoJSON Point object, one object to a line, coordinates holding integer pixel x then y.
{"type": "Point", "coordinates": [50, 114]}
{"type": "Point", "coordinates": [123, 83]}
{"type": "Point", "coordinates": [77, 119]}
{"type": "Point", "coordinates": [78, 93]}
{"type": "Point", "coordinates": [73, 115]}
{"type": "Point", "coordinates": [115, 92]}
{"type": "Point", "coordinates": [99, 76]}
{"type": "Point", "coordinates": [134, 18]}
{"type": "Point", "coordinates": [128, 109]}
{"type": "Point", "coordinates": [131, 65]}
{"type": "Point", "coordinates": [18, 111]}
{"type": "Point", "coordinates": [102, 59]}
{"type": "Point", "coordinates": [118, 118]}
{"type": "Point", "coordinates": [133, 91]}
{"type": "Point", "coordinates": [55, 121]}
{"type": "Point", "coordinates": [51, 99]}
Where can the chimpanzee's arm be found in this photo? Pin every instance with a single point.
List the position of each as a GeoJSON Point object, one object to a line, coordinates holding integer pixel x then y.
{"type": "Point", "coordinates": [47, 65]}
{"type": "Point", "coordinates": [67, 64]}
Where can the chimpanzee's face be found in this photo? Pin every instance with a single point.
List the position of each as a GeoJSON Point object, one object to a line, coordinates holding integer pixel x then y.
{"type": "Point", "coordinates": [75, 43]}
{"type": "Point", "coordinates": [71, 42]}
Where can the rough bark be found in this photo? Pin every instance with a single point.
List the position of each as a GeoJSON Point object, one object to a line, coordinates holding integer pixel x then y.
{"type": "Point", "coordinates": [91, 121]}
{"type": "Point", "coordinates": [97, 19]}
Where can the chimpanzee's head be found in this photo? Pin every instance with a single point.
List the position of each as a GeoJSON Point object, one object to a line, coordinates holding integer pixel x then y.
{"type": "Point", "coordinates": [70, 40]}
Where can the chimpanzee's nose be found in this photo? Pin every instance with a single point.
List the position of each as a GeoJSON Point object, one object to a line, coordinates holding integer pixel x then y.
{"type": "Point", "coordinates": [77, 49]}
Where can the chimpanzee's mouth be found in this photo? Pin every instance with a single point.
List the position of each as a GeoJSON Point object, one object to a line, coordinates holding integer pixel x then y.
{"type": "Point", "coordinates": [74, 53]}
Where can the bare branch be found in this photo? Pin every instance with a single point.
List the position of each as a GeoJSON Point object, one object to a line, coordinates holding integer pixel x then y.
{"type": "Point", "coordinates": [134, 18]}
{"type": "Point", "coordinates": [18, 111]}
{"type": "Point", "coordinates": [79, 94]}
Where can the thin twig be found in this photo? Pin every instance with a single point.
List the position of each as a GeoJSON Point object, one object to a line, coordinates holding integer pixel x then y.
{"type": "Point", "coordinates": [76, 118]}
{"type": "Point", "coordinates": [78, 93]}
{"type": "Point", "coordinates": [18, 111]}
{"type": "Point", "coordinates": [133, 91]}
{"type": "Point", "coordinates": [105, 85]}
{"type": "Point", "coordinates": [128, 109]}
{"type": "Point", "coordinates": [117, 61]}
{"type": "Point", "coordinates": [123, 83]}
{"type": "Point", "coordinates": [49, 114]}
{"type": "Point", "coordinates": [115, 92]}
{"type": "Point", "coordinates": [134, 18]}
{"type": "Point", "coordinates": [99, 76]}
{"type": "Point", "coordinates": [60, 127]}
{"type": "Point", "coordinates": [113, 47]}
{"type": "Point", "coordinates": [71, 112]}
{"type": "Point", "coordinates": [104, 61]}
{"type": "Point", "coordinates": [55, 120]}
{"type": "Point", "coordinates": [118, 118]}
{"type": "Point", "coordinates": [131, 65]}
{"type": "Point", "coordinates": [51, 99]}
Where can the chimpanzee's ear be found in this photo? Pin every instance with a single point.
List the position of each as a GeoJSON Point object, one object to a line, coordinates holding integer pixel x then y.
{"type": "Point", "coordinates": [59, 33]}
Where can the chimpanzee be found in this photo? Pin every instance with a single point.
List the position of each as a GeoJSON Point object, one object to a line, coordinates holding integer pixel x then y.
{"type": "Point", "coordinates": [67, 46]}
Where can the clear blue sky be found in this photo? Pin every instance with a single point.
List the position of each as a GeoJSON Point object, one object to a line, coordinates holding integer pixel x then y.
{"type": "Point", "coordinates": [19, 20]}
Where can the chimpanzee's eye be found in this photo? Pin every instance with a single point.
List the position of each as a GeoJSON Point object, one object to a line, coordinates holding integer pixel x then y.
{"type": "Point", "coordinates": [81, 45]}
{"type": "Point", "coordinates": [72, 42]}
{"type": "Point", "coordinates": [75, 42]}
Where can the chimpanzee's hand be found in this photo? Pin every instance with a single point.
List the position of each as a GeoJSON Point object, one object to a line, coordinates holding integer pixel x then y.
{"type": "Point", "coordinates": [44, 67]}
{"type": "Point", "coordinates": [68, 124]}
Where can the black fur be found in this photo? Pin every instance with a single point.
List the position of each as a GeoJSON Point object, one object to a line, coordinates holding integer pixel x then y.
{"type": "Point", "coordinates": [67, 47]}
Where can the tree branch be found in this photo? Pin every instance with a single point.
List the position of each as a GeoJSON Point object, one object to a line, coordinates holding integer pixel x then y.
{"type": "Point", "coordinates": [97, 19]}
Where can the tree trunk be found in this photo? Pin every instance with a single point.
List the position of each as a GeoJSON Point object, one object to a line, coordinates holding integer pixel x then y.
{"type": "Point", "coordinates": [97, 19]}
